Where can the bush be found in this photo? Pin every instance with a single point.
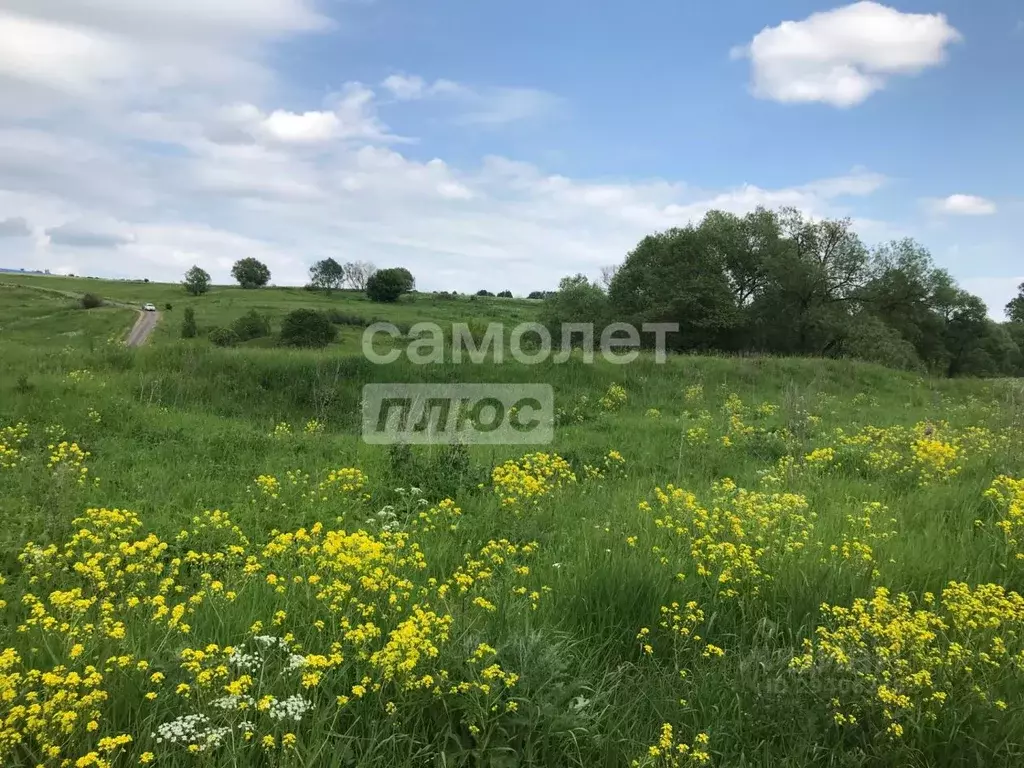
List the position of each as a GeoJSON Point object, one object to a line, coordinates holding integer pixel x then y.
{"type": "Point", "coordinates": [188, 325]}
{"type": "Point", "coordinates": [251, 325]}
{"type": "Point", "coordinates": [168, 306]}
{"type": "Point", "coordinates": [505, 295]}
{"type": "Point", "coordinates": [91, 301]}
{"type": "Point", "coordinates": [223, 337]}
{"type": "Point", "coordinates": [484, 293]}
{"type": "Point", "coordinates": [307, 328]}
{"type": "Point", "coordinates": [388, 284]}
{"type": "Point", "coordinates": [340, 318]}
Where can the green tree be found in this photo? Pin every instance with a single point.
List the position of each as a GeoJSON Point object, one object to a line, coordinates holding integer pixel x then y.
{"type": "Point", "coordinates": [197, 281]}
{"type": "Point", "coordinates": [1015, 309]}
{"type": "Point", "coordinates": [904, 291]}
{"type": "Point", "coordinates": [188, 324]}
{"type": "Point", "coordinates": [966, 327]}
{"type": "Point", "coordinates": [251, 273]}
{"type": "Point", "coordinates": [327, 275]}
{"type": "Point", "coordinates": [674, 277]}
{"type": "Point", "coordinates": [812, 284]}
{"type": "Point", "coordinates": [388, 284]}
{"type": "Point", "coordinates": [577, 300]}
{"type": "Point", "coordinates": [408, 281]}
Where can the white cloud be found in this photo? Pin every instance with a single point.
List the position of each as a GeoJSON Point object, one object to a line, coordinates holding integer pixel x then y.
{"type": "Point", "coordinates": [195, 152]}
{"type": "Point", "coordinates": [414, 87]}
{"type": "Point", "coordinates": [308, 127]}
{"type": "Point", "coordinates": [842, 56]}
{"type": "Point", "coordinates": [59, 56]}
{"type": "Point", "coordinates": [62, 53]}
{"type": "Point", "coordinates": [492, 106]}
{"type": "Point", "coordinates": [964, 205]}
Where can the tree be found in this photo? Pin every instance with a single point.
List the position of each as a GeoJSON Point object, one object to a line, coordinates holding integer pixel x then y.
{"type": "Point", "coordinates": [577, 300]}
{"type": "Point", "coordinates": [812, 284]}
{"type": "Point", "coordinates": [674, 277]}
{"type": "Point", "coordinates": [388, 284]}
{"type": "Point", "coordinates": [607, 275]}
{"type": "Point", "coordinates": [1015, 309]}
{"type": "Point", "coordinates": [358, 274]}
{"type": "Point", "coordinates": [484, 292]}
{"type": "Point", "coordinates": [327, 275]}
{"type": "Point", "coordinates": [505, 294]}
{"type": "Point", "coordinates": [307, 328]}
{"type": "Point", "coordinates": [409, 281]}
{"type": "Point", "coordinates": [188, 324]}
{"type": "Point", "coordinates": [251, 273]}
{"type": "Point", "coordinates": [903, 291]}
{"type": "Point", "coordinates": [197, 281]}
{"type": "Point", "coordinates": [91, 301]}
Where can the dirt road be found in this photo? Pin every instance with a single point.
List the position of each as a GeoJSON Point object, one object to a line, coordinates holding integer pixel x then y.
{"type": "Point", "coordinates": [143, 327]}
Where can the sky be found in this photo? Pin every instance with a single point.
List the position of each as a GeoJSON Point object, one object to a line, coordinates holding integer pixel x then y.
{"type": "Point", "coordinates": [499, 146]}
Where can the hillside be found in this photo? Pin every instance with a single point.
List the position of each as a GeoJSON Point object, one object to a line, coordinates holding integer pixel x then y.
{"type": "Point", "coordinates": [224, 304]}
{"type": "Point", "coordinates": [667, 560]}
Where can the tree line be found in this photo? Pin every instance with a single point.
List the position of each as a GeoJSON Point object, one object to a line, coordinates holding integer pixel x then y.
{"type": "Point", "coordinates": [777, 282]}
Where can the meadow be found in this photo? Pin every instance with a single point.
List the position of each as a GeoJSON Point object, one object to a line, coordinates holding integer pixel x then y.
{"type": "Point", "coordinates": [718, 561]}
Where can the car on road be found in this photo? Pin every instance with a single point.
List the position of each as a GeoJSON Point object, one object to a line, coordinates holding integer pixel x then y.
{"type": "Point", "coordinates": [149, 307]}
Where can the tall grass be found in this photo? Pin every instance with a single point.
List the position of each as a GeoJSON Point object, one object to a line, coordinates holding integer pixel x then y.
{"type": "Point", "coordinates": [177, 430]}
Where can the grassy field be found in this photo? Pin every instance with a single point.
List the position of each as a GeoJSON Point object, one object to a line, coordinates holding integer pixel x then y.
{"type": "Point", "coordinates": [224, 304]}
{"type": "Point", "coordinates": [732, 562]}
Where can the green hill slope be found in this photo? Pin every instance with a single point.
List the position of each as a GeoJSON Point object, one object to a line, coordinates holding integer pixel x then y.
{"type": "Point", "coordinates": [665, 561]}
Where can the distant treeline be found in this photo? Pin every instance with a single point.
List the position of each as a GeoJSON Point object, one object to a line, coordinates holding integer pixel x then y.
{"type": "Point", "coordinates": [776, 282]}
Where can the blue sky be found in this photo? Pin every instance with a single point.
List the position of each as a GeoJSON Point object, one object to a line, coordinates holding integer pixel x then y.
{"type": "Point", "coordinates": [499, 146]}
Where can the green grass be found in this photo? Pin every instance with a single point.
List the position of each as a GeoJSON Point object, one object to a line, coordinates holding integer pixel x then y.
{"type": "Point", "coordinates": [175, 429]}
{"type": "Point", "coordinates": [224, 304]}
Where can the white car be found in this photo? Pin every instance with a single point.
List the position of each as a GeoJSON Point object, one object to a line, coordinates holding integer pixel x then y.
{"type": "Point", "coordinates": [149, 307]}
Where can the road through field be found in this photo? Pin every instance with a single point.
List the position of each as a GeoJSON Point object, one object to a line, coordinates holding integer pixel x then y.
{"type": "Point", "coordinates": [143, 327]}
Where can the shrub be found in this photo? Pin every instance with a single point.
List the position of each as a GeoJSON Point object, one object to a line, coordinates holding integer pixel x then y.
{"type": "Point", "coordinates": [223, 337]}
{"type": "Point", "coordinates": [388, 284]}
{"type": "Point", "coordinates": [251, 325]}
{"type": "Point", "coordinates": [91, 301]}
{"type": "Point", "coordinates": [307, 328]}
{"type": "Point", "coordinates": [188, 325]}
{"type": "Point", "coordinates": [168, 306]}
{"type": "Point", "coordinates": [340, 318]}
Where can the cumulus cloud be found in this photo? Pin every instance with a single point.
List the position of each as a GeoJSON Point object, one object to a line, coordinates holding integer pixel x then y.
{"type": "Point", "coordinates": [15, 226]}
{"type": "Point", "coordinates": [843, 56]}
{"type": "Point", "coordinates": [177, 145]}
{"type": "Point", "coordinates": [964, 205]}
